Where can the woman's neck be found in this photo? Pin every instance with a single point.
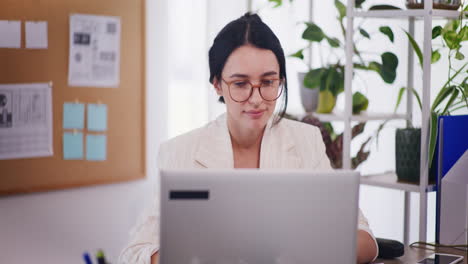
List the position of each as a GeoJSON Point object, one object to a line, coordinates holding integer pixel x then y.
{"type": "Point", "coordinates": [246, 148]}
{"type": "Point", "coordinates": [245, 139]}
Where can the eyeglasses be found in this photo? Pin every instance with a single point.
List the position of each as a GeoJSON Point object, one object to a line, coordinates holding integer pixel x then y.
{"type": "Point", "coordinates": [241, 90]}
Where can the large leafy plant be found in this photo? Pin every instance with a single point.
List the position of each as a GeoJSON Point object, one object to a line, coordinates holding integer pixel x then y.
{"type": "Point", "coordinates": [329, 78]}
{"type": "Point", "coordinates": [453, 94]}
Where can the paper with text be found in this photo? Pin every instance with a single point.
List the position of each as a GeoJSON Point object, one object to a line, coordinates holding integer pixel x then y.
{"type": "Point", "coordinates": [25, 120]}
{"type": "Point", "coordinates": [94, 51]}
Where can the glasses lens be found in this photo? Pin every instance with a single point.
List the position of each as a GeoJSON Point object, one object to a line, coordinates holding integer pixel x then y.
{"type": "Point", "coordinates": [271, 89]}
{"type": "Point", "coordinates": [240, 90]}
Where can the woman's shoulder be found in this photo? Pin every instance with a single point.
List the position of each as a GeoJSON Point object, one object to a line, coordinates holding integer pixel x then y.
{"type": "Point", "coordinates": [185, 141]}
{"type": "Point", "coordinates": [191, 138]}
{"type": "Point", "coordinates": [179, 151]}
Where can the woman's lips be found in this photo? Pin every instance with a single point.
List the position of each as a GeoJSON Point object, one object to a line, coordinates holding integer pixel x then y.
{"type": "Point", "coordinates": [255, 113]}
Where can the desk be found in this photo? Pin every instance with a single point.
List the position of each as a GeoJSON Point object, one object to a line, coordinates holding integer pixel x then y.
{"type": "Point", "coordinates": [413, 255]}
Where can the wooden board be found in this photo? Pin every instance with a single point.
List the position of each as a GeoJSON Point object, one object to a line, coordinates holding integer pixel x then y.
{"type": "Point", "coordinates": [126, 104]}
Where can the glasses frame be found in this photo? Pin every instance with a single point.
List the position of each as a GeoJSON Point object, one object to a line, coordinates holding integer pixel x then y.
{"type": "Point", "coordinates": [281, 86]}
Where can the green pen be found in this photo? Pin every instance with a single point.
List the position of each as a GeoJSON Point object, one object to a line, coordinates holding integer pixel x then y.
{"type": "Point", "coordinates": [101, 259]}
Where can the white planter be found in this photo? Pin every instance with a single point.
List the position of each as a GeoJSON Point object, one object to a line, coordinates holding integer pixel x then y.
{"type": "Point", "coordinates": [309, 97]}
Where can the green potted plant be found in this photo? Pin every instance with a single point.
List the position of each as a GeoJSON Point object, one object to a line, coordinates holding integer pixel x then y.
{"type": "Point", "coordinates": [451, 97]}
{"type": "Point", "coordinates": [329, 78]}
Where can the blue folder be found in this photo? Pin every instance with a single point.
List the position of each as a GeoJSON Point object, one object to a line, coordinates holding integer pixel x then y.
{"type": "Point", "coordinates": [452, 142]}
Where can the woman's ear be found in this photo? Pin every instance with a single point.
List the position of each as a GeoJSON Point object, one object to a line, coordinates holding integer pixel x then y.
{"type": "Point", "coordinates": [217, 86]}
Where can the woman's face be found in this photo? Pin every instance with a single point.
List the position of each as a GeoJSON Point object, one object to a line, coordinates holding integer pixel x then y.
{"type": "Point", "coordinates": [248, 63]}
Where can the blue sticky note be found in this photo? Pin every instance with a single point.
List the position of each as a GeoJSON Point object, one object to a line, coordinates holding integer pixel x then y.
{"type": "Point", "coordinates": [96, 147]}
{"type": "Point", "coordinates": [97, 117]}
{"type": "Point", "coordinates": [72, 146]}
{"type": "Point", "coordinates": [73, 116]}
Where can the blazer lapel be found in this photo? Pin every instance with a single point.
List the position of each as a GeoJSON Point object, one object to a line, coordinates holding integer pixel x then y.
{"type": "Point", "coordinates": [215, 149]}
{"type": "Point", "coordinates": [278, 150]}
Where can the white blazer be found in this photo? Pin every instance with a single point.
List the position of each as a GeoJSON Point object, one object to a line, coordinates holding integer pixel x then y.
{"type": "Point", "coordinates": [289, 144]}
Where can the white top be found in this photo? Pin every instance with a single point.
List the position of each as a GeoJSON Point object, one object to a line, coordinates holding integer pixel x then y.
{"type": "Point", "coordinates": [287, 145]}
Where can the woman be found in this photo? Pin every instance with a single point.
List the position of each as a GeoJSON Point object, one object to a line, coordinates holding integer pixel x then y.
{"type": "Point", "coordinates": [248, 72]}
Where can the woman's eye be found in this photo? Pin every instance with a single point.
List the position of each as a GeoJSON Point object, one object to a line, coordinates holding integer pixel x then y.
{"type": "Point", "coordinates": [267, 82]}
{"type": "Point", "coordinates": [240, 84]}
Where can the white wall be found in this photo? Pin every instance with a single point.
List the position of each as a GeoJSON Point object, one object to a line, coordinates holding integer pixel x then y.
{"type": "Point", "coordinates": [57, 227]}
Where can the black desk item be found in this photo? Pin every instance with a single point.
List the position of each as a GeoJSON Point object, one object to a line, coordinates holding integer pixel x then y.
{"type": "Point", "coordinates": [390, 248]}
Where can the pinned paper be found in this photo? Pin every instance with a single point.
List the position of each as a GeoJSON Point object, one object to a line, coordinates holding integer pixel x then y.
{"type": "Point", "coordinates": [97, 117]}
{"type": "Point", "coordinates": [36, 35]}
{"type": "Point", "coordinates": [96, 146]}
{"type": "Point", "coordinates": [72, 146]}
{"type": "Point", "coordinates": [10, 34]}
{"type": "Point", "coordinates": [26, 121]}
{"type": "Point", "coordinates": [73, 116]}
{"type": "Point", "coordinates": [94, 51]}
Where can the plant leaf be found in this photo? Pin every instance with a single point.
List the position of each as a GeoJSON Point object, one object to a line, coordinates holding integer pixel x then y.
{"type": "Point", "coordinates": [417, 98]}
{"type": "Point", "coordinates": [432, 136]}
{"type": "Point", "coordinates": [375, 66]}
{"type": "Point", "coordinates": [400, 95]}
{"type": "Point", "coordinates": [384, 7]}
{"type": "Point", "coordinates": [324, 79]}
{"type": "Point", "coordinates": [388, 32]}
{"type": "Point", "coordinates": [450, 101]}
{"type": "Point", "coordinates": [435, 57]}
{"type": "Point", "coordinates": [335, 81]}
{"type": "Point", "coordinates": [436, 31]}
{"type": "Point", "coordinates": [312, 78]}
{"type": "Point", "coordinates": [358, 3]}
{"type": "Point", "coordinates": [334, 42]}
{"type": "Point", "coordinates": [451, 39]}
{"type": "Point", "coordinates": [276, 2]}
{"type": "Point", "coordinates": [389, 65]}
{"type": "Point", "coordinates": [443, 93]}
{"type": "Point", "coordinates": [364, 33]}
{"type": "Point", "coordinates": [313, 33]}
{"type": "Point", "coordinates": [459, 55]}
{"type": "Point", "coordinates": [341, 9]}
{"type": "Point", "coordinates": [360, 102]}
{"type": "Point", "coordinates": [298, 54]}
{"type": "Point", "coordinates": [416, 48]}
{"type": "Point", "coordinates": [464, 33]}
{"type": "Point", "coordinates": [452, 25]}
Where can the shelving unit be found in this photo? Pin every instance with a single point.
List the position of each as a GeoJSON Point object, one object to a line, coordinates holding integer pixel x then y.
{"type": "Point", "coordinates": [389, 179]}
{"type": "Point", "coordinates": [363, 117]}
{"type": "Point", "coordinates": [398, 14]}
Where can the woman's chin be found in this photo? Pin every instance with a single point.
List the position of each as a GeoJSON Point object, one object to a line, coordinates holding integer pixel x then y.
{"type": "Point", "coordinates": [255, 122]}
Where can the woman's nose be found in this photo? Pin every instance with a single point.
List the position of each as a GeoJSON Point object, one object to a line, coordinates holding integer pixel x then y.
{"type": "Point", "coordinates": [255, 98]}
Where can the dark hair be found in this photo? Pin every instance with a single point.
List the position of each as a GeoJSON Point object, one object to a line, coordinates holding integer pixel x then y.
{"type": "Point", "coordinates": [247, 30]}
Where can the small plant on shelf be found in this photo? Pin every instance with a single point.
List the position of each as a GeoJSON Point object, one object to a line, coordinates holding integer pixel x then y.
{"type": "Point", "coordinates": [329, 78]}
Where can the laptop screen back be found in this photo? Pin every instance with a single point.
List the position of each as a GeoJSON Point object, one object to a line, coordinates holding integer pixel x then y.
{"type": "Point", "coordinates": [258, 216]}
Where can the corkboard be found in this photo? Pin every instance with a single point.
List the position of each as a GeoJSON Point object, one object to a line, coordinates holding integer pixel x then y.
{"type": "Point", "coordinates": [126, 104]}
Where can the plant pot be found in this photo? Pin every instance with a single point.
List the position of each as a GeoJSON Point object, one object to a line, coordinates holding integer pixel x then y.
{"type": "Point", "coordinates": [408, 154]}
{"type": "Point", "coordinates": [309, 97]}
{"type": "Point", "coordinates": [437, 4]}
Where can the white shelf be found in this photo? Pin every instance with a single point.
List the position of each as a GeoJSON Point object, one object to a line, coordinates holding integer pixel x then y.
{"type": "Point", "coordinates": [399, 14]}
{"type": "Point", "coordinates": [389, 180]}
{"type": "Point", "coordinates": [363, 117]}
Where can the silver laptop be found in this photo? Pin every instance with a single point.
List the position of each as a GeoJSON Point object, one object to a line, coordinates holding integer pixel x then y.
{"type": "Point", "coordinates": [258, 217]}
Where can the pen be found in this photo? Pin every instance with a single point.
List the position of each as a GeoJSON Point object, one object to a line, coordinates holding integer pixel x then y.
{"type": "Point", "coordinates": [87, 258]}
{"type": "Point", "coordinates": [100, 257]}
